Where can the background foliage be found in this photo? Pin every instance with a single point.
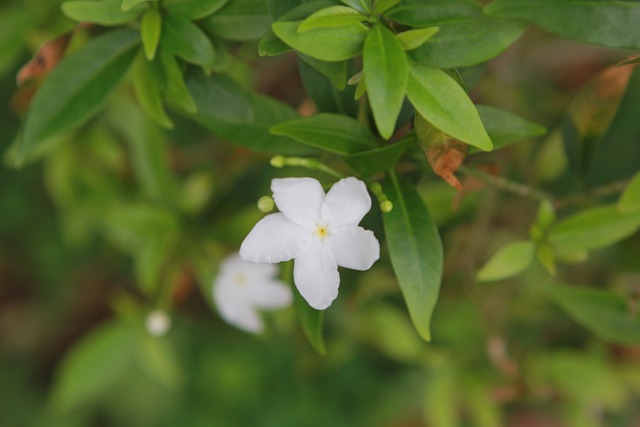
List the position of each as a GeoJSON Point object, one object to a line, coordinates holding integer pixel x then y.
{"type": "Point", "coordinates": [136, 165]}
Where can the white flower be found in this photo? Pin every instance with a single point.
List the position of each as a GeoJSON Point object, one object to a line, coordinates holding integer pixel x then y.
{"type": "Point", "coordinates": [320, 232]}
{"type": "Point", "coordinates": [242, 288]}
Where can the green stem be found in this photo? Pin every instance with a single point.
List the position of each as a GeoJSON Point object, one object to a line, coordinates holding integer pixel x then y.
{"type": "Point", "coordinates": [506, 184]}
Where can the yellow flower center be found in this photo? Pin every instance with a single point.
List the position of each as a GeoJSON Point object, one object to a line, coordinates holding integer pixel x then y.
{"type": "Point", "coordinates": [322, 231]}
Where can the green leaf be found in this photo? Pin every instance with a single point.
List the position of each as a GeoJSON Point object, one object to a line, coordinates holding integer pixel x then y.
{"type": "Point", "coordinates": [511, 260]}
{"type": "Point", "coordinates": [77, 87]}
{"type": "Point", "coordinates": [239, 20]}
{"type": "Point", "coordinates": [334, 133]}
{"type": "Point", "coordinates": [389, 329]}
{"type": "Point", "coordinates": [148, 92]}
{"type": "Point", "coordinates": [194, 9]}
{"type": "Point", "coordinates": [175, 89]}
{"type": "Point", "coordinates": [385, 69]}
{"type": "Point", "coordinates": [422, 13]}
{"type": "Point", "coordinates": [605, 22]}
{"type": "Point", "coordinates": [271, 45]}
{"type": "Point", "coordinates": [380, 159]}
{"type": "Point", "coordinates": [220, 98]}
{"type": "Point", "coordinates": [413, 39]}
{"type": "Point", "coordinates": [381, 6]}
{"type": "Point", "coordinates": [593, 228]}
{"type": "Point", "coordinates": [415, 250]}
{"type": "Point", "coordinates": [104, 12]}
{"type": "Point", "coordinates": [322, 91]}
{"type": "Point", "coordinates": [333, 16]}
{"type": "Point", "coordinates": [590, 114]}
{"type": "Point", "coordinates": [327, 44]}
{"type": "Point", "coordinates": [629, 201]}
{"type": "Point", "coordinates": [363, 6]}
{"type": "Point", "coordinates": [441, 101]}
{"type": "Point", "coordinates": [605, 313]}
{"type": "Point", "coordinates": [150, 31]}
{"type": "Point", "coordinates": [148, 149]}
{"type": "Point", "coordinates": [336, 72]}
{"type": "Point", "coordinates": [504, 127]}
{"type": "Point", "coordinates": [312, 322]}
{"type": "Point", "coordinates": [129, 4]}
{"type": "Point", "coordinates": [240, 117]}
{"type": "Point", "coordinates": [186, 40]}
{"type": "Point", "coordinates": [469, 42]}
{"type": "Point", "coordinates": [156, 357]}
{"type": "Point", "coordinates": [79, 380]}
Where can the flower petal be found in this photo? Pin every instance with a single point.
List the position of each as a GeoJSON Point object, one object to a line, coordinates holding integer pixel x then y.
{"type": "Point", "coordinates": [346, 203]}
{"type": "Point", "coordinates": [274, 239]}
{"type": "Point", "coordinates": [299, 199]}
{"type": "Point", "coordinates": [315, 274]}
{"type": "Point", "coordinates": [270, 295]}
{"type": "Point", "coordinates": [354, 247]}
{"type": "Point", "coordinates": [234, 307]}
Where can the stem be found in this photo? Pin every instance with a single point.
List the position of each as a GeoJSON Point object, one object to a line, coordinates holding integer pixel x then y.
{"type": "Point", "coordinates": [601, 191]}
{"type": "Point", "coordinates": [506, 185]}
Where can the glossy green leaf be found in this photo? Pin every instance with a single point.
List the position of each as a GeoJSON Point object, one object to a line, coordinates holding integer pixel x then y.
{"type": "Point", "coordinates": [330, 132]}
{"type": "Point", "coordinates": [603, 312]}
{"type": "Point", "coordinates": [150, 31]}
{"type": "Point", "coordinates": [336, 72]}
{"type": "Point", "coordinates": [312, 322]}
{"type": "Point", "coordinates": [380, 159]}
{"type": "Point", "coordinates": [426, 13]}
{"type": "Point", "coordinates": [104, 12]}
{"type": "Point", "coordinates": [605, 22]}
{"type": "Point", "coordinates": [327, 44]}
{"type": "Point", "coordinates": [504, 127]}
{"type": "Point", "coordinates": [381, 6]}
{"type": "Point", "coordinates": [78, 381]}
{"type": "Point", "coordinates": [386, 71]}
{"type": "Point", "coordinates": [413, 39]}
{"type": "Point", "coordinates": [186, 40]}
{"type": "Point", "coordinates": [440, 100]}
{"type": "Point", "coordinates": [194, 9]}
{"type": "Point", "coordinates": [469, 42]}
{"type": "Point", "coordinates": [593, 228]}
{"type": "Point", "coordinates": [148, 93]}
{"type": "Point", "coordinates": [175, 89]}
{"type": "Point", "coordinates": [126, 5]}
{"type": "Point", "coordinates": [239, 20]}
{"type": "Point", "coordinates": [511, 260]}
{"type": "Point", "coordinates": [630, 199]}
{"type": "Point", "coordinates": [78, 86]}
{"type": "Point", "coordinates": [220, 98]}
{"type": "Point", "coordinates": [270, 44]}
{"type": "Point", "coordinates": [323, 91]}
{"type": "Point", "coordinates": [363, 6]}
{"type": "Point", "coordinates": [333, 16]}
{"type": "Point", "coordinates": [415, 250]}
{"type": "Point", "coordinates": [240, 117]}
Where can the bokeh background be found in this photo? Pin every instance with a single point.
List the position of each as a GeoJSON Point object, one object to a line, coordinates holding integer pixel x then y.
{"type": "Point", "coordinates": [89, 247]}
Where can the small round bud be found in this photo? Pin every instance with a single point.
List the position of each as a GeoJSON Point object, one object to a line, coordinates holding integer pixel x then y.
{"type": "Point", "coordinates": [277, 161]}
{"type": "Point", "coordinates": [386, 206]}
{"type": "Point", "coordinates": [157, 323]}
{"type": "Point", "coordinates": [265, 204]}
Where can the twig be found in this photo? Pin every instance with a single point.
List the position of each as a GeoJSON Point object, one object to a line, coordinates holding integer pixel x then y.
{"type": "Point", "coordinates": [506, 185]}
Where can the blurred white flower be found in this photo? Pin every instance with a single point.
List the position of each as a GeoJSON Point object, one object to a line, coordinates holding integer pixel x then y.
{"type": "Point", "coordinates": [320, 232]}
{"type": "Point", "coordinates": [157, 323]}
{"type": "Point", "coordinates": [242, 288]}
